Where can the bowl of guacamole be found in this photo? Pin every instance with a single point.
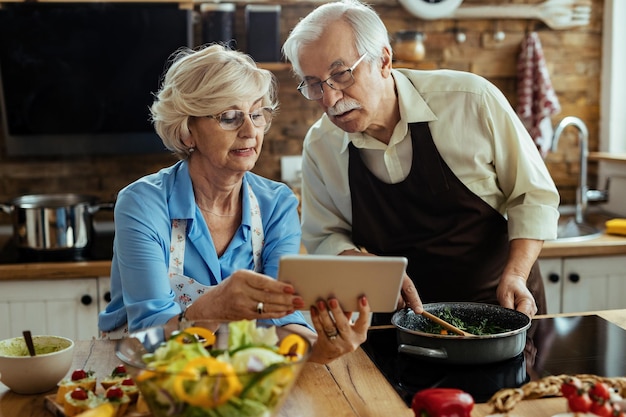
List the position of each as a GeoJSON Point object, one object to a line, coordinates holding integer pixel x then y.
{"type": "Point", "coordinates": [25, 374]}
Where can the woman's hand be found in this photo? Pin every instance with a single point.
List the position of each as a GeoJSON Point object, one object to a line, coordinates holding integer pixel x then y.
{"type": "Point", "coordinates": [246, 295]}
{"type": "Point", "coordinates": [336, 333]}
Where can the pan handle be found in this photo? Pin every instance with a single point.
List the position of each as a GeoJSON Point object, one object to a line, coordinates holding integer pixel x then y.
{"type": "Point", "coordinates": [422, 351]}
{"type": "Point", "coordinates": [6, 208]}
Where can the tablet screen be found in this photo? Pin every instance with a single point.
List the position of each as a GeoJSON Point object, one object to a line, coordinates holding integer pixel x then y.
{"type": "Point", "coordinates": [346, 278]}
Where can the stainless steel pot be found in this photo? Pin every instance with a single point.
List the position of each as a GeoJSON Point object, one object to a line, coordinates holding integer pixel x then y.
{"type": "Point", "coordinates": [413, 340]}
{"type": "Point", "coordinates": [53, 222]}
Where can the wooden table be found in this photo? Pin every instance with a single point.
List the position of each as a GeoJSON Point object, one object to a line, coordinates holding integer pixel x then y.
{"type": "Point", "coordinates": [349, 387]}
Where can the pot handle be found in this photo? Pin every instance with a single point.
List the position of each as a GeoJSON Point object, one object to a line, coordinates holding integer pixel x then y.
{"type": "Point", "coordinates": [6, 208]}
{"type": "Point", "coordinates": [101, 206]}
{"type": "Point", "coordinates": [422, 351]}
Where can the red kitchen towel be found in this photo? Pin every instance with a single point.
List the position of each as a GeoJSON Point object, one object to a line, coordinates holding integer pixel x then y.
{"type": "Point", "coordinates": [537, 100]}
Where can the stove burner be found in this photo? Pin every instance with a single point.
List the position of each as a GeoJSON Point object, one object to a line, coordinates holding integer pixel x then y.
{"type": "Point", "coordinates": [555, 346]}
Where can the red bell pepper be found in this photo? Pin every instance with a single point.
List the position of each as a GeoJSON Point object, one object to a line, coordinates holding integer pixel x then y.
{"type": "Point", "coordinates": [442, 402]}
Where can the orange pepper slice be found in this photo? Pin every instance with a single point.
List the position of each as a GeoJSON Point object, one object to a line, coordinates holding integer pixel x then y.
{"type": "Point", "coordinates": [293, 346]}
{"type": "Point", "coordinates": [150, 373]}
{"type": "Point", "coordinates": [207, 382]}
{"type": "Point", "coordinates": [199, 334]}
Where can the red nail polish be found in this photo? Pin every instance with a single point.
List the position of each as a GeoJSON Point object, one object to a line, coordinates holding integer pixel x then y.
{"type": "Point", "coordinates": [363, 301]}
{"type": "Point", "coordinates": [333, 303]}
{"type": "Point", "coordinates": [321, 306]}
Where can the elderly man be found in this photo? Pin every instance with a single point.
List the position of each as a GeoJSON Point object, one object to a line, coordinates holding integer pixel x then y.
{"type": "Point", "coordinates": [431, 165]}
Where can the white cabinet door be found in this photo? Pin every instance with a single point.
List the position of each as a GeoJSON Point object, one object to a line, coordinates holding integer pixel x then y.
{"type": "Point", "coordinates": [594, 283]}
{"type": "Point", "coordinates": [62, 307]}
{"type": "Point", "coordinates": [104, 292]}
{"type": "Point", "coordinates": [584, 284]}
{"type": "Point", "coordinates": [552, 273]}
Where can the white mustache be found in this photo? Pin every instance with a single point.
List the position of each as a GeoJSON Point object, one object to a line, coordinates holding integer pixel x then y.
{"type": "Point", "coordinates": [343, 106]}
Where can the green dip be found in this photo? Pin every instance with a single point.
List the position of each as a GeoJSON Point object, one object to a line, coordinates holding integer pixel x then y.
{"type": "Point", "coordinates": [17, 346]}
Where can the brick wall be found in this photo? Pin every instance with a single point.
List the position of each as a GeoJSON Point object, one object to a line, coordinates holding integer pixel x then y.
{"type": "Point", "coordinates": [573, 57]}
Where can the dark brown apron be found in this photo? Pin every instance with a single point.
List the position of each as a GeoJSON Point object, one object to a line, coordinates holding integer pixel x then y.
{"type": "Point", "coordinates": [457, 245]}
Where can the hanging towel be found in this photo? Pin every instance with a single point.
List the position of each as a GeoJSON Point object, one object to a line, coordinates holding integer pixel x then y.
{"type": "Point", "coordinates": [537, 100]}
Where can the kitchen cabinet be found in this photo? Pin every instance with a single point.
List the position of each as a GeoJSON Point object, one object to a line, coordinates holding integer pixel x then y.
{"type": "Point", "coordinates": [584, 283]}
{"type": "Point", "coordinates": [65, 307]}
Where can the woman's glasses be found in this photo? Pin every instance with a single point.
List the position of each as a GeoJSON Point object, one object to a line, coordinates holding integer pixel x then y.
{"type": "Point", "coordinates": [233, 119]}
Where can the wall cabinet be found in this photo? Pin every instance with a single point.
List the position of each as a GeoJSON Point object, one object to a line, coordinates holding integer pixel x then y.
{"type": "Point", "coordinates": [67, 307]}
{"type": "Point", "coordinates": [584, 284]}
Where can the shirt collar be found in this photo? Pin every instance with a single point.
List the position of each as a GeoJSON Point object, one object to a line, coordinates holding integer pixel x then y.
{"type": "Point", "coordinates": [182, 203]}
{"type": "Point", "coordinates": [413, 107]}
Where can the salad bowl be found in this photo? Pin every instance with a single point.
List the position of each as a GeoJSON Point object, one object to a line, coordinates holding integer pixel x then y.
{"type": "Point", "coordinates": [206, 368]}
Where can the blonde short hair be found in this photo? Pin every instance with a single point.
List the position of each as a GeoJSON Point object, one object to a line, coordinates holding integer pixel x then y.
{"type": "Point", "coordinates": [202, 82]}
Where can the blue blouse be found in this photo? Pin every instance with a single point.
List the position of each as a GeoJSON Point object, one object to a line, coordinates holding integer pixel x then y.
{"type": "Point", "coordinates": [140, 289]}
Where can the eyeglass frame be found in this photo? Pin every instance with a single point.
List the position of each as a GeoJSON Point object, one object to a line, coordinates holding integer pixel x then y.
{"type": "Point", "coordinates": [350, 70]}
{"type": "Point", "coordinates": [267, 109]}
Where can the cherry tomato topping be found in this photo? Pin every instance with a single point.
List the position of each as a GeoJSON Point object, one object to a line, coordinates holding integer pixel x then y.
{"type": "Point", "coordinates": [79, 394]}
{"type": "Point", "coordinates": [128, 382]}
{"type": "Point", "coordinates": [79, 374]}
{"type": "Point", "coordinates": [601, 408]}
{"type": "Point", "coordinates": [114, 393]}
{"type": "Point", "coordinates": [580, 403]}
{"type": "Point", "coordinates": [120, 370]}
{"type": "Point", "coordinates": [600, 390]}
{"type": "Point", "coordinates": [571, 386]}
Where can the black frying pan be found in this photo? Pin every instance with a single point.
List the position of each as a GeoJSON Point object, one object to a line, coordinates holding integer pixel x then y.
{"type": "Point", "coordinates": [413, 340]}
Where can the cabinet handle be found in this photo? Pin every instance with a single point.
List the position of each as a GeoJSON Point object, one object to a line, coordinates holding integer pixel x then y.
{"type": "Point", "coordinates": [86, 299]}
{"type": "Point", "coordinates": [574, 277]}
{"type": "Point", "coordinates": [554, 277]}
{"type": "Point", "coordinates": [107, 296]}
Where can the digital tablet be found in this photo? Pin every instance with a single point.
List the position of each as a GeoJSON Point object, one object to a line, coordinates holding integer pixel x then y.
{"type": "Point", "coordinates": [346, 278]}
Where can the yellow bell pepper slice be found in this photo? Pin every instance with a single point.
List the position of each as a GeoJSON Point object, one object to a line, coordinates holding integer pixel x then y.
{"type": "Point", "coordinates": [150, 373]}
{"type": "Point", "coordinates": [207, 382]}
{"type": "Point", "coordinates": [293, 346]}
{"type": "Point", "coordinates": [199, 333]}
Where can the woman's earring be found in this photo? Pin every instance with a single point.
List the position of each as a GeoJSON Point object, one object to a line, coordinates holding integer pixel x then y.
{"type": "Point", "coordinates": [191, 149]}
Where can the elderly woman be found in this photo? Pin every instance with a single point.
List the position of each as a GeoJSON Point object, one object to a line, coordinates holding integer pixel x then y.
{"type": "Point", "coordinates": [202, 238]}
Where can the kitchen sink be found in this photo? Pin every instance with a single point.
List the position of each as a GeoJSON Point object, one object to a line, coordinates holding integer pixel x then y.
{"type": "Point", "coordinates": [569, 230]}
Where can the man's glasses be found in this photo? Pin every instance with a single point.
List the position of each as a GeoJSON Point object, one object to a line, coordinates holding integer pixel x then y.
{"type": "Point", "coordinates": [233, 119]}
{"type": "Point", "coordinates": [339, 81]}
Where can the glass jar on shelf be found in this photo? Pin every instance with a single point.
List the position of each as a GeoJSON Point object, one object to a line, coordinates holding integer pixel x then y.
{"type": "Point", "coordinates": [408, 45]}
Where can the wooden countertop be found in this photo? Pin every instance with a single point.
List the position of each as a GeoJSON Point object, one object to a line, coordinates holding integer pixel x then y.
{"type": "Point", "coordinates": [604, 245]}
{"type": "Point", "coordinates": [351, 386]}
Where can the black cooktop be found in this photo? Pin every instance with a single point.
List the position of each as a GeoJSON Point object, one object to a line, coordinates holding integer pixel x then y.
{"type": "Point", "coordinates": [555, 346]}
{"type": "Point", "coordinates": [99, 249]}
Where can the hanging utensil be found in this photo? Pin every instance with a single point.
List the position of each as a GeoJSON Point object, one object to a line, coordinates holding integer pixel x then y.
{"type": "Point", "coordinates": [557, 14]}
{"type": "Point", "coordinates": [445, 324]}
{"type": "Point", "coordinates": [28, 338]}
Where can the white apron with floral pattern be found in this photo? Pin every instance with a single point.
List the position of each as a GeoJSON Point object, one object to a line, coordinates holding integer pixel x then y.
{"type": "Point", "coordinates": [187, 289]}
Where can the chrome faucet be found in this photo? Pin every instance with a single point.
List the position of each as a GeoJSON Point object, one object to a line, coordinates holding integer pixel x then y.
{"type": "Point", "coordinates": [583, 143]}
